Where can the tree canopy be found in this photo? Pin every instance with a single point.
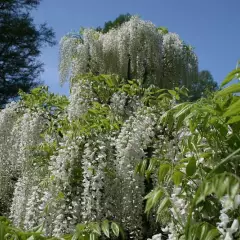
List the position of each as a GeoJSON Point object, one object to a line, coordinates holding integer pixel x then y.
{"type": "Point", "coordinates": [202, 85]}
{"type": "Point", "coordinates": [20, 45]}
{"type": "Point", "coordinates": [122, 18]}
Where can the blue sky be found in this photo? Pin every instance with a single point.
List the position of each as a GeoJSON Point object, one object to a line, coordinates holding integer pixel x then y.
{"type": "Point", "coordinates": [211, 26]}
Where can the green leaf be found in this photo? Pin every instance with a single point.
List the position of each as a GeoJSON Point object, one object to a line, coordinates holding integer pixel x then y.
{"type": "Point", "coordinates": [149, 205]}
{"type": "Point", "coordinates": [177, 177]}
{"type": "Point", "coordinates": [95, 228]}
{"type": "Point", "coordinates": [163, 170]}
{"type": "Point", "coordinates": [212, 234]}
{"type": "Point", "coordinates": [203, 231]}
{"type": "Point", "coordinates": [163, 205]}
{"type": "Point", "coordinates": [234, 88]}
{"type": "Point", "coordinates": [233, 109]}
{"type": "Point", "coordinates": [233, 119]}
{"type": "Point", "coordinates": [115, 229]}
{"type": "Point", "coordinates": [230, 77]}
{"type": "Point", "coordinates": [105, 228]}
{"type": "Point", "coordinates": [109, 81]}
{"type": "Point", "coordinates": [164, 30]}
{"type": "Point", "coordinates": [184, 110]}
{"type": "Point", "coordinates": [207, 169]}
{"type": "Point", "coordinates": [31, 238]}
{"type": "Point", "coordinates": [80, 227]}
{"type": "Point", "coordinates": [151, 166]}
{"type": "Point", "coordinates": [93, 236]}
{"type": "Point", "coordinates": [60, 196]}
{"type": "Point", "coordinates": [184, 91]}
{"type": "Point", "coordinates": [220, 185]}
{"type": "Point", "coordinates": [2, 230]}
{"type": "Point", "coordinates": [174, 93]}
{"type": "Point", "coordinates": [152, 199]}
{"type": "Point", "coordinates": [37, 229]}
{"type": "Point", "coordinates": [164, 95]}
{"type": "Point", "coordinates": [143, 167]}
{"type": "Point", "coordinates": [191, 167]}
{"type": "Point", "coordinates": [149, 195]}
{"type": "Point", "coordinates": [224, 161]}
{"type": "Point", "coordinates": [156, 196]}
{"type": "Point", "coordinates": [168, 114]}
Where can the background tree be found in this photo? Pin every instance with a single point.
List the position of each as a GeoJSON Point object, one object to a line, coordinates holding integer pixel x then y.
{"type": "Point", "coordinates": [202, 85]}
{"type": "Point", "coordinates": [20, 44]}
{"type": "Point", "coordinates": [122, 18]}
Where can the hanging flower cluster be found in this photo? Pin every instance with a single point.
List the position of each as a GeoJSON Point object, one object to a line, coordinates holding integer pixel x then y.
{"type": "Point", "coordinates": [135, 136]}
{"type": "Point", "coordinates": [28, 129]}
{"type": "Point", "coordinates": [80, 99]}
{"type": "Point", "coordinates": [227, 226]}
{"type": "Point", "coordinates": [8, 117]}
{"type": "Point", "coordinates": [180, 62]}
{"type": "Point", "coordinates": [137, 49]}
{"type": "Point", "coordinates": [122, 150]}
{"type": "Point", "coordinates": [81, 163]}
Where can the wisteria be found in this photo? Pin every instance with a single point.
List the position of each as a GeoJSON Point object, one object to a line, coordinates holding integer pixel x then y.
{"type": "Point", "coordinates": [123, 152]}
{"type": "Point", "coordinates": [135, 50]}
{"type": "Point", "coordinates": [8, 118]}
{"type": "Point", "coordinates": [134, 137]}
{"type": "Point", "coordinates": [227, 225]}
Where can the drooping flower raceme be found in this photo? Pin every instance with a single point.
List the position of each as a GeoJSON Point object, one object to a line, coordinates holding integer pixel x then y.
{"type": "Point", "coordinates": [136, 50]}
{"type": "Point", "coordinates": [79, 165]}
{"type": "Point", "coordinates": [228, 226]}
{"type": "Point", "coordinates": [134, 138]}
{"type": "Point", "coordinates": [156, 237]}
{"type": "Point", "coordinates": [80, 99]}
{"type": "Point", "coordinates": [8, 118]}
{"type": "Point", "coordinates": [28, 128]}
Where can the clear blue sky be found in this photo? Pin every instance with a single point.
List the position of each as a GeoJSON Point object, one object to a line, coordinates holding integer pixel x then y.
{"type": "Point", "coordinates": [211, 26]}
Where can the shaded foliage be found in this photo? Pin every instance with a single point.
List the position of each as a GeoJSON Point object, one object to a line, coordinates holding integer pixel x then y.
{"type": "Point", "coordinates": [202, 85]}
{"type": "Point", "coordinates": [122, 18]}
{"type": "Point", "coordinates": [20, 44]}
